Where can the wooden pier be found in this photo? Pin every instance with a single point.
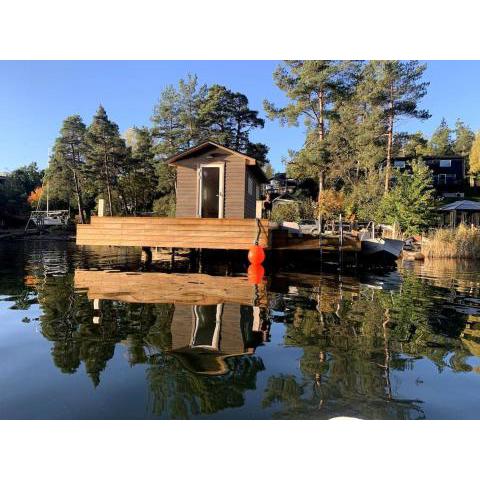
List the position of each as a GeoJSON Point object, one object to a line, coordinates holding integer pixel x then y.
{"type": "Point", "coordinates": [205, 233]}
{"type": "Point", "coordinates": [208, 233]}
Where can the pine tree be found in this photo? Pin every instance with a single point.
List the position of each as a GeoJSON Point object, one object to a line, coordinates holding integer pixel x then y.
{"type": "Point", "coordinates": [107, 155]}
{"type": "Point", "coordinates": [441, 142]}
{"type": "Point", "coordinates": [227, 118]}
{"type": "Point", "coordinates": [412, 145]}
{"type": "Point", "coordinates": [312, 87]}
{"type": "Point", "coordinates": [140, 181]}
{"type": "Point", "coordinates": [397, 88]}
{"type": "Point", "coordinates": [411, 202]}
{"type": "Point", "coordinates": [464, 137]}
{"type": "Point", "coordinates": [68, 159]}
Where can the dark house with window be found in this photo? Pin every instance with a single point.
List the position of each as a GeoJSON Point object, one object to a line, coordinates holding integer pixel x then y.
{"type": "Point", "coordinates": [449, 172]}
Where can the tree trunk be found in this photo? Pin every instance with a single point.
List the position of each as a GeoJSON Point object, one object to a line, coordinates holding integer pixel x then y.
{"type": "Point", "coordinates": [76, 162]}
{"type": "Point", "coordinates": [321, 136]}
{"type": "Point", "coordinates": [107, 181]}
{"type": "Point", "coordinates": [388, 165]}
{"type": "Point", "coordinates": [79, 198]}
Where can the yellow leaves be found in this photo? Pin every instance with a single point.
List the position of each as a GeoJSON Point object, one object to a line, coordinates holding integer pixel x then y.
{"type": "Point", "coordinates": [35, 196]}
{"type": "Point", "coordinates": [331, 202]}
{"type": "Point", "coordinates": [475, 156]}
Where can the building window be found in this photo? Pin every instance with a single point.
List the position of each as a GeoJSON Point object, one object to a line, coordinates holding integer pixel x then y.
{"type": "Point", "coordinates": [445, 163]}
{"type": "Point", "coordinates": [450, 178]}
{"type": "Point", "coordinates": [399, 163]}
{"type": "Point", "coordinates": [250, 185]}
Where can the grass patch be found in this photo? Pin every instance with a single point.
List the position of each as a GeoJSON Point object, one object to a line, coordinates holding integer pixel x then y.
{"type": "Point", "coordinates": [461, 242]}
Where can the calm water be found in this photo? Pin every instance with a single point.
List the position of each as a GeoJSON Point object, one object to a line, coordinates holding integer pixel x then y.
{"type": "Point", "coordinates": [84, 345]}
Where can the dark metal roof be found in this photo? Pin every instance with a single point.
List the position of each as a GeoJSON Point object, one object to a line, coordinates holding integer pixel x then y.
{"type": "Point", "coordinates": [465, 205]}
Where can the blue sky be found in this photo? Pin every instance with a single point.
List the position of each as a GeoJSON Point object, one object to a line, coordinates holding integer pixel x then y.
{"type": "Point", "coordinates": [35, 96]}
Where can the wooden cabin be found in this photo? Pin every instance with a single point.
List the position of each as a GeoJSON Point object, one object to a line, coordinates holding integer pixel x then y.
{"type": "Point", "coordinates": [214, 181]}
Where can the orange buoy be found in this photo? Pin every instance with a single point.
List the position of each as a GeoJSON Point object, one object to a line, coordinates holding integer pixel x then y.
{"type": "Point", "coordinates": [255, 273]}
{"type": "Point", "coordinates": [256, 255]}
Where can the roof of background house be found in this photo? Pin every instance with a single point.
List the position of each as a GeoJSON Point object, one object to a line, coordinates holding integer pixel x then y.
{"type": "Point", "coordinates": [431, 157]}
{"type": "Point", "coordinates": [469, 205]}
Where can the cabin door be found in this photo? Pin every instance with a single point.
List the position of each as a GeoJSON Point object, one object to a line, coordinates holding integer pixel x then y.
{"type": "Point", "coordinates": [211, 191]}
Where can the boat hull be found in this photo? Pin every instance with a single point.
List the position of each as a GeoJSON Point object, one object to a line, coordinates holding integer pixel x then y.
{"type": "Point", "coordinates": [385, 249]}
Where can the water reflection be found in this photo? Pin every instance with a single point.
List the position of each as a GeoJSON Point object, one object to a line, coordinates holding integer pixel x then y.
{"type": "Point", "coordinates": [297, 346]}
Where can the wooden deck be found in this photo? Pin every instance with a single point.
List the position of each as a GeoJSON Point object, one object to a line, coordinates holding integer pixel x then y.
{"type": "Point", "coordinates": [208, 233]}
{"type": "Point", "coordinates": [204, 233]}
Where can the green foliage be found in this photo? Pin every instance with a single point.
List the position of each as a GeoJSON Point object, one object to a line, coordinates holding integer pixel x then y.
{"type": "Point", "coordinates": [227, 119]}
{"type": "Point", "coordinates": [66, 175]}
{"type": "Point", "coordinates": [107, 159]}
{"type": "Point", "coordinates": [441, 142]}
{"type": "Point", "coordinates": [396, 88]}
{"type": "Point", "coordinates": [313, 88]}
{"type": "Point", "coordinates": [16, 187]}
{"type": "Point", "coordinates": [165, 205]}
{"type": "Point", "coordinates": [285, 212]}
{"type": "Point", "coordinates": [411, 202]}
{"type": "Point", "coordinates": [140, 180]}
{"type": "Point", "coordinates": [464, 137]}
{"type": "Point", "coordinates": [363, 199]}
{"type": "Point", "coordinates": [412, 145]}
{"type": "Point", "coordinates": [294, 211]}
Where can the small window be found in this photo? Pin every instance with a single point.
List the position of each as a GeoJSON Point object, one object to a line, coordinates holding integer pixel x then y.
{"type": "Point", "coordinates": [399, 163]}
{"type": "Point", "coordinates": [250, 185]}
{"type": "Point", "coordinates": [445, 163]}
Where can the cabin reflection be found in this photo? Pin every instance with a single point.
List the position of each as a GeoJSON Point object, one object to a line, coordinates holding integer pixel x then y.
{"type": "Point", "coordinates": [204, 336]}
{"type": "Point", "coordinates": [214, 318]}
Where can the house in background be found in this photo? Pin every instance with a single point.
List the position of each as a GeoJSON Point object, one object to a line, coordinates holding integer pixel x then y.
{"type": "Point", "coordinates": [214, 181]}
{"type": "Point", "coordinates": [3, 177]}
{"type": "Point", "coordinates": [449, 173]}
{"type": "Point", "coordinates": [280, 184]}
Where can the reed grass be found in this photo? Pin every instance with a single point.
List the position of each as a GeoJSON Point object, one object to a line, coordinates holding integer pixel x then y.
{"type": "Point", "coordinates": [461, 242]}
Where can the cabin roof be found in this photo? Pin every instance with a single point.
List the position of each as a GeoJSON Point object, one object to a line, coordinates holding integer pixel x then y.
{"type": "Point", "coordinates": [466, 205]}
{"type": "Point", "coordinates": [208, 145]}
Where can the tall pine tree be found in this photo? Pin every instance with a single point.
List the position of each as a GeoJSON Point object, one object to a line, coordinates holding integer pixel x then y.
{"type": "Point", "coordinates": [68, 159]}
{"type": "Point", "coordinates": [312, 88]}
{"type": "Point", "coordinates": [464, 137]}
{"type": "Point", "coordinates": [397, 88]}
{"type": "Point", "coordinates": [107, 156]}
{"type": "Point", "coordinates": [441, 142]}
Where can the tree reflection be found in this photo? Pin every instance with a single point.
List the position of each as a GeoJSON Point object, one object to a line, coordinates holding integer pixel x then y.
{"type": "Point", "coordinates": [179, 393]}
{"type": "Point", "coordinates": [351, 349]}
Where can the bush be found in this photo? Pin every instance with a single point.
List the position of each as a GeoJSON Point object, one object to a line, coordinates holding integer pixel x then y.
{"type": "Point", "coordinates": [285, 212]}
{"type": "Point", "coordinates": [294, 211]}
{"type": "Point", "coordinates": [461, 242]}
{"type": "Point", "coordinates": [165, 206]}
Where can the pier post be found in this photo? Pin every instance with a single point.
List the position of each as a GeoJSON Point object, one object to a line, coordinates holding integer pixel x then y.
{"type": "Point", "coordinates": [101, 207]}
{"type": "Point", "coordinates": [97, 313]}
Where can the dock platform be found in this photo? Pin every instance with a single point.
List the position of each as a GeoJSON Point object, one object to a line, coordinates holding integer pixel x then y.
{"type": "Point", "coordinates": [205, 233]}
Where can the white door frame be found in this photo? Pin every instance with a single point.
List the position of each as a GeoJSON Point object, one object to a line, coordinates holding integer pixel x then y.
{"type": "Point", "coordinates": [221, 187]}
{"type": "Point", "coordinates": [215, 345]}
